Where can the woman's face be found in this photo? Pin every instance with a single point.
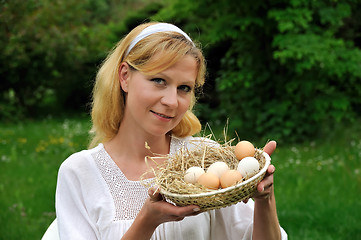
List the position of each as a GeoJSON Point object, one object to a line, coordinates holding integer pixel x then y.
{"type": "Point", "coordinates": [155, 104]}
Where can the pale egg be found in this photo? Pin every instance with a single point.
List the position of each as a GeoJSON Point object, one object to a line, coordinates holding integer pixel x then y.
{"type": "Point", "coordinates": [192, 174]}
{"type": "Point", "coordinates": [230, 178]}
{"type": "Point", "coordinates": [218, 168]}
{"type": "Point", "coordinates": [244, 149]}
{"type": "Point", "coordinates": [209, 180]}
{"type": "Point", "coordinates": [248, 166]}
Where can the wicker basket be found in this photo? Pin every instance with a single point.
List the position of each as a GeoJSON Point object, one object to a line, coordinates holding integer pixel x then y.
{"type": "Point", "coordinates": [223, 197]}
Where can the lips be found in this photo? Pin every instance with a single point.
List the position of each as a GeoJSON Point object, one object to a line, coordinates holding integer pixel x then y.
{"type": "Point", "coordinates": [161, 115]}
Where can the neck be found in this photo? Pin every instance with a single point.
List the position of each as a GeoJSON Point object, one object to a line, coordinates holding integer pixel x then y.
{"type": "Point", "coordinates": [132, 144]}
{"type": "Point", "coordinates": [128, 150]}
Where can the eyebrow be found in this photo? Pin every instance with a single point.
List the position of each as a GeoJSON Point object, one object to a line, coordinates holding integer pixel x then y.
{"type": "Point", "coordinates": [183, 81]}
{"type": "Point", "coordinates": [188, 82]}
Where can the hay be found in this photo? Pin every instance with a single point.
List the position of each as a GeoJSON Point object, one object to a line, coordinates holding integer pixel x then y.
{"type": "Point", "coordinates": [170, 175]}
{"type": "Point", "coordinates": [202, 153]}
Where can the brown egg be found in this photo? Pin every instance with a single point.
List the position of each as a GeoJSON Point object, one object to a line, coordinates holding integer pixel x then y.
{"type": "Point", "coordinates": [209, 180]}
{"type": "Point", "coordinates": [244, 149]}
{"type": "Point", "coordinates": [230, 178]}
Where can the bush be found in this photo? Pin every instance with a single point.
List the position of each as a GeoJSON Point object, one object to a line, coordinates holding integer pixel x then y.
{"type": "Point", "coordinates": [50, 51]}
{"type": "Point", "coordinates": [285, 68]}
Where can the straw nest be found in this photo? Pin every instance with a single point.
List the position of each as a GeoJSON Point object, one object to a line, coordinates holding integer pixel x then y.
{"type": "Point", "coordinates": [202, 152]}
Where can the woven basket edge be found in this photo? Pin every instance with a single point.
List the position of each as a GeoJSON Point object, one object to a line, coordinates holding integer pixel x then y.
{"type": "Point", "coordinates": [188, 196]}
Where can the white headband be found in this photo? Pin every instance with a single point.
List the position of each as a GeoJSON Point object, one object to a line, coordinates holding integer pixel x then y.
{"type": "Point", "coordinates": [159, 27]}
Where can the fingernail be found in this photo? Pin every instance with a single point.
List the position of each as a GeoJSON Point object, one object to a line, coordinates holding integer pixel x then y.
{"type": "Point", "coordinates": [196, 209]}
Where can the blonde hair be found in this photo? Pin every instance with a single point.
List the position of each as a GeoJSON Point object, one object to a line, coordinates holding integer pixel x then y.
{"type": "Point", "coordinates": [151, 55]}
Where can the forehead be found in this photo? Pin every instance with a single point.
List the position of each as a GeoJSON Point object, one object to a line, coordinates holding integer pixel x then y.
{"type": "Point", "coordinates": [185, 69]}
{"type": "Point", "coordinates": [161, 60]}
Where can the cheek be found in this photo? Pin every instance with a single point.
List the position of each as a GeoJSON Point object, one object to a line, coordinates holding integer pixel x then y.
{"type": "Point", "coordinates": [139, 93]}
{"type": "Point", "coordinates": [185, 103]}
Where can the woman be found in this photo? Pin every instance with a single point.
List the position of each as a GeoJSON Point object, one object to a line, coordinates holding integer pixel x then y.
{"type": "Point", "coordinates": [144, 93]}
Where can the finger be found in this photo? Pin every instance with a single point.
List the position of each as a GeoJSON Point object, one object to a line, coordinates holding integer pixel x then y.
{"type": "Point", "coordinates": [270, 170]}
{"type": "Point", "coordinates": [263, 189]}
{"type": "Point", "coordinates": [270, 147]}
{"type": "Point", "coordinates": [154, 194]}
{"type": "Point", "coordinates": [265, 184]}
{"type": "Point", "coordinates": [189, 210]}
{"type": "Point", "coordinates": [260, 187]}
{"type": "Point", "coordinates": [263, 195]}
{"type": "Point", "coordinates": [177, 219]}
{"type": "Point", "coordinates": [179, 212]}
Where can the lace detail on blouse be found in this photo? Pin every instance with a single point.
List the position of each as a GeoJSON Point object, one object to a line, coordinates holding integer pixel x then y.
{"type": "Point", "coordinates": [129, 196]}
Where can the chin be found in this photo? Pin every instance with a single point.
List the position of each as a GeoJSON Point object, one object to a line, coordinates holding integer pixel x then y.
{"type": "Point", "coordinates": [160, 132]}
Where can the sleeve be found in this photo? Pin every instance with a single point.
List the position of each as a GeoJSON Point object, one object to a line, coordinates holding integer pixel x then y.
{"type": "Point", "coordinates": [233, 222]}
{"type": "Point", "coordinates": [71, 209]}
{"type": "Point", "coordinates": [236, 222]}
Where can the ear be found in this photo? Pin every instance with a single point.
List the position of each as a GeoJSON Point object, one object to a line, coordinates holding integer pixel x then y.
{"type": "Point", "coordinates": [124, 76]}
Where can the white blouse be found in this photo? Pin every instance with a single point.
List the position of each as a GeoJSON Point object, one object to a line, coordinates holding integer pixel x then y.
{"type": "Point", "coordinates": [94, 200]}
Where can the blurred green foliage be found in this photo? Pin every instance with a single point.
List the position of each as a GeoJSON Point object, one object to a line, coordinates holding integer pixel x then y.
{"type": "Point", "coordinates": [50, 51]}
{"type": "Point", "coordinates": [45, 48]}
{"type": "Point", "coordinates": [282, 69]}
{"type": "Point", "coordinates": [277, 69]}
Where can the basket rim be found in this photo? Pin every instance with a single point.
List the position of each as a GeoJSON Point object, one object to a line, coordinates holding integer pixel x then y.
{"type": "Point", "coordinates": [211, 193]}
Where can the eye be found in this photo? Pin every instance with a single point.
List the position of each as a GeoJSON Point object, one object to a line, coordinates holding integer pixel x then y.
{"type": "Point", "coordinates": [160, 81]}
{"type": "Point", "coordinates": [185, 88]}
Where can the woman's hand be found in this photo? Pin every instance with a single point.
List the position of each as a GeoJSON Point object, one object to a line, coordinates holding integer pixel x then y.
{"type": "Point", "coordinates": [265, 187]}
{"type": "Point", "coordinates": [159, 211]}
{"type": "Point", "coordinates": [266, 225]}
{"type": "Point", "coordinates": [154, 212]}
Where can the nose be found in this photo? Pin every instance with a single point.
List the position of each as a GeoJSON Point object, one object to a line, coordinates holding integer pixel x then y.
{"type": "Point", "coordinates": [170, 97]}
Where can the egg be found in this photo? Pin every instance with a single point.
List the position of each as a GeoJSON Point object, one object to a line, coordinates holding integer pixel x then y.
{"type": "Point", "coordinates": [244, 149]}
{"type": "Point", "coordinates": [248, 166]}
{"type": "Point", "coordinates": [218, 168]}
{"type": "Point", "coordinates": [230, 178]}
{"type": "Point", "coordinates": [192, 174]}
{"type": "Point", "coordinates": [209, 180]}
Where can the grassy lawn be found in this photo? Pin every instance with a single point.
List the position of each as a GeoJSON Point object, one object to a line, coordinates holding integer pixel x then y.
{"type": "Point", "coordinates": [317, 183]}
{"type": "Point", "coordinates": [30, 155]}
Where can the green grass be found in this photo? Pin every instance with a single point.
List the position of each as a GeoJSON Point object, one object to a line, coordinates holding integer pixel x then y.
{"type": "Point", "coordinates": [30, 155]}
{"type": "Point", "coordinates": [318, 184]}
